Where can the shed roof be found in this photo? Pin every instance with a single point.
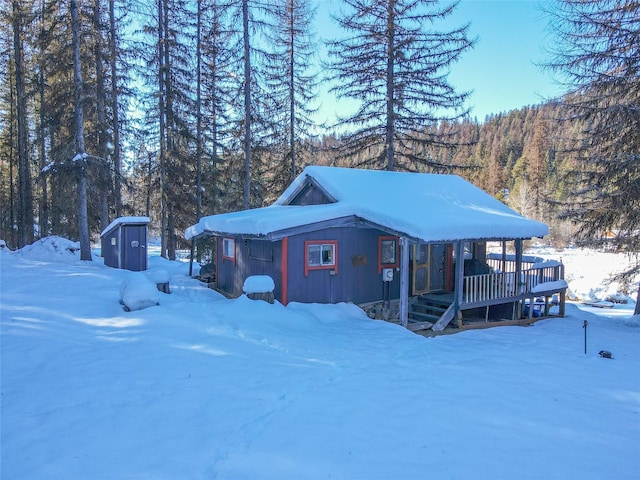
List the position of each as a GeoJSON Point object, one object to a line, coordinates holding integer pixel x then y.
{"type": "Point", "coordinates": [125, 221]}
{"type": "Point", "coordinates": [420, 206]}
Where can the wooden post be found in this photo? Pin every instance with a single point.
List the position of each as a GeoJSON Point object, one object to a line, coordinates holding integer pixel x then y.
{"type": "Point", "coordinates": [193, 242]}
{"type": "Point", "coordinates": [518, 279]}
{"type": "Point", "coordinates": [404, 281]}
{"type": "Point", "coordinates": [457, 296]}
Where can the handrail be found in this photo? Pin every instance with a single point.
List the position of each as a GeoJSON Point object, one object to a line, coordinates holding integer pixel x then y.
{"type": "Point", "coordinates": [503, 285]}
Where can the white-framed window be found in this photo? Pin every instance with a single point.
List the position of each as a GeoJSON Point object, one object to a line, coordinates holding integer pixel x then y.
{"type": "Point", "coordinates": [320, 254]}
{"type": "Point", "coordinates": [229, 249]}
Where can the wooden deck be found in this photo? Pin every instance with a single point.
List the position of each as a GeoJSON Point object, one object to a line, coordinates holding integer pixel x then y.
{"type": "Point", "coordinates": [487, 300]}
{"type": "Point", "coordinates": [492, 299]}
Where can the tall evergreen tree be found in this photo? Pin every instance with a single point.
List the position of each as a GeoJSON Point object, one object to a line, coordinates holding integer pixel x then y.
{"type": "Point", "coordinates": [220, 49]}
{"type": "Point", "coordinates": [598, 55]}
{"type": "Point", "coordinates": [394, 63]}
{"type": "Point", "coordinates": [80, 157]}
{"type": "Point", "coordinates": [290, 77]}
{"type": "Point", "coordinates": [25, 188]}
{"type": "Point", "coordinates": [167, 68]}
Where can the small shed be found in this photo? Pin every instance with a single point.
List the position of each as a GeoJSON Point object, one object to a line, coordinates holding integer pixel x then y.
{"type": "Point", "coordinates": [124, 243]}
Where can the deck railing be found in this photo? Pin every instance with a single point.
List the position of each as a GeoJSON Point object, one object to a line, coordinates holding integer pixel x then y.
{"type": "Point", "coordinates": [503, 285]}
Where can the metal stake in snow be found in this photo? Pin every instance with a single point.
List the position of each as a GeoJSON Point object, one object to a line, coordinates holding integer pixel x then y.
{"type": "Point", "coordinates": [585, 335]}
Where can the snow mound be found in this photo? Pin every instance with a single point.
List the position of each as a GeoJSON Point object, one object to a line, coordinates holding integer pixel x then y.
{"type": "Point", "coordinates": [52, 249]}
{"type": "Point", "coordinates": [258, 284]}
{"type": "Point", "coordinates": [633, 321]}
{"type": "Point", "coordinates": [138, 292]}
{"type": "Point", "coordinates": [159, 275]}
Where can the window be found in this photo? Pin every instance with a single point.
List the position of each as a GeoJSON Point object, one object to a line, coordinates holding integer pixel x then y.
{"type": "Point", "coordinates": [229, 249]}
{"type": "Point", "coordinates": [320, 254]}
{"type": "Point", "coordinates": [387, 252]}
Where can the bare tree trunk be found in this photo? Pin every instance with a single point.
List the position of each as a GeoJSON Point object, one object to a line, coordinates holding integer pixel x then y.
{"type": "Point", "coordinates": [149, 185]}
{"type": "Point", "coordinates": [44, 200]}
{"type": "Point", "coordinates": [636, 311]}
{"type": "Point", "coordinates": [117, 161]}
{"type": "Point", "coordinates": [105, 183]}
{"type": "Point", "coordinates": [25, 191]}
{"type": "Point", "coordinates": [389, 142]}
{"type": "Point", "coordinates": [171, 238]}
{"type": "Point", "coordinates": [80, 158]}
{"type": "Point", "coordinates": [12, 190]}
{"type": "Point", "coordinates": [292, 82]}
{"type": "Point", "coordinates": [162, 126]}
{"type": "Point", "coordinates": [199, 114]}
{"type": "Point", "coordinates": [247, 106]}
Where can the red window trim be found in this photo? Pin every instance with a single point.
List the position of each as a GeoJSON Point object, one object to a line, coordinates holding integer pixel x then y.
{"type": "Point", "coordinates": [224, 257]}
{"type": "Point", "coordinates": [396, 264]}
{"type": "Point", "coordinates": [333, 267]}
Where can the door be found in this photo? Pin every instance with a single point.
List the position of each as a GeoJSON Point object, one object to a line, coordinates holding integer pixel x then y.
{"type": "Point", "coordinates": [420, 282]}
{"type": "Point", "coordinates": [437, 252]}
{"type": "Point", "coordinates": [428, 268]}
{"type": "Point", "coordinates": [135, 248]}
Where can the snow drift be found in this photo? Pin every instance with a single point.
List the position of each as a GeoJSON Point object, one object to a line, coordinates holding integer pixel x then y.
{"type": "Point", "coordinates": [204, 387]}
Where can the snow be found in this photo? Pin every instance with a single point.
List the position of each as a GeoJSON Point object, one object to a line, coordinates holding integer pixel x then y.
{"type": "Point", "coordinates": [428, 207]}
{"type": "Point", "coordinates": [546, 264]}
{"type": "Point", "coordinates": [204, 387]}
{"type": "Point", "coordinates": [549, 286]}
{"type": "Point", "coordinates": [79, 157]}
{"type": "Point", "coordinates": [258, 284]}
{"type": "Point", "coordinates": [138, 292]}
{"type": "Point", "coordinates": [52, 248]}
{"type": "Point", "coordinates": [159, 275]}
{"type": "Point", "coordinates": [589, 272]}
{"type": "Point", "coordinates": [125, 221]}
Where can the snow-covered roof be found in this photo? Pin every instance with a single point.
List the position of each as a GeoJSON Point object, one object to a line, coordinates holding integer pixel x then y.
{"type": "Point", "coordinates": [426, 207]}
{"type": "Point", "coordinates": [125, 221]}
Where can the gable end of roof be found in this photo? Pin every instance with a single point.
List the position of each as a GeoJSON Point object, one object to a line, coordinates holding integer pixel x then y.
{"type": "Point", "coordinates": [308, 192]}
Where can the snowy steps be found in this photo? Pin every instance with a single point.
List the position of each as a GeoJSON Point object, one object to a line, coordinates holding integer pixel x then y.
{"type": "Point", "coordinates": [425, 311]}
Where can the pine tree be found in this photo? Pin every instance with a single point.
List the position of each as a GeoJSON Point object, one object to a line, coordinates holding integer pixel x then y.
{"type": "Point", "coordinates": [290, 78]}
{"type": "Point", "coordinates": [395, 65]}
{"type": "Point", "coordinates": [80, 157]}
{"type": "Point", "coordinates": [25, 188]}
{"type": "Point", "coordinates": [597, 54]}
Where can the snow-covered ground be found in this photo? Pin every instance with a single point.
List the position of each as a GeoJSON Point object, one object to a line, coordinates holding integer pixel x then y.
{"type": "Point", "coordinates": [201, 387]}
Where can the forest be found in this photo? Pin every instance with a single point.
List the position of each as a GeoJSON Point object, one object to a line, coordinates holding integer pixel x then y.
{"type": "Point", "coordinates": [177, 109]}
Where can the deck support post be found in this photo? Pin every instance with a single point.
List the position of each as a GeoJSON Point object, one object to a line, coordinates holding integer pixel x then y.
{"type": "Point", "coordinates": [191, 253]}
{"type": "Point", "coordinates": [518, 279]}
{"type": "Point", "coordinates": [404, 281]}
{"type": "Point", "coordinates": [459, 277]}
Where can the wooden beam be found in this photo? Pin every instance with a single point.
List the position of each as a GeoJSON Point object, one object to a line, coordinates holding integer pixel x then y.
{"type": "Point", "coordinates": [459, 277]}
{"type": "Point", "coordinates": [518, 279]}
{"type": "Point", "coordinates": [404, 281]}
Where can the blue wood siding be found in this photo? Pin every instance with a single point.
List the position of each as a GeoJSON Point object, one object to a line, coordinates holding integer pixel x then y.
{"type": "Point", "coordinates": [111, 253]}
{"type": "Point", "coordinates": [310, 195]}
{"type": "Point", "coordinates": [356, 280]}
{"type": "Point", "coordinates": [252, 257]}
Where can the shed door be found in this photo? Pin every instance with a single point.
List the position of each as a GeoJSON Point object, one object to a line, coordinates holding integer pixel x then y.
{"type": "Point", "coordinates": [428, 268]}
{"type": "Point", "coordinates": [135, 248]}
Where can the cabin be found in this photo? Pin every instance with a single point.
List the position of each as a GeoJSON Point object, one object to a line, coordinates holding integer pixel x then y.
{"type": "Point", "coordinates": [418, 249]}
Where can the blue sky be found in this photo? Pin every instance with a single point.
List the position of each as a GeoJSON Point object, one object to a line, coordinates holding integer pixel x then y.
{"type": "Point", "coordinates": [501, 69]}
